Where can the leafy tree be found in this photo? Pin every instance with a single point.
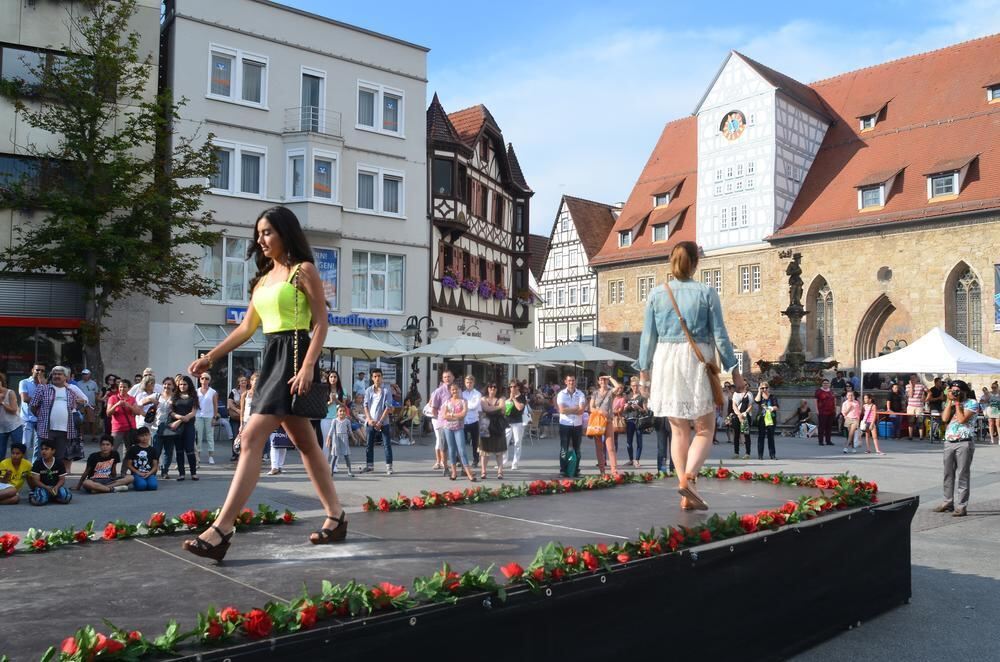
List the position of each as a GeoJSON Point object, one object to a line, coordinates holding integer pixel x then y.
{"type": "Point", "coordinates": [120, 195]}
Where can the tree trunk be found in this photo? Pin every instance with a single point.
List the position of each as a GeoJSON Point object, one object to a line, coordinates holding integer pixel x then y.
{"type": "Point", "coordinates": [90, 332]}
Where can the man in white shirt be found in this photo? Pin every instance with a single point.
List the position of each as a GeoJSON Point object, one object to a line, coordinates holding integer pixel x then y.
{"type": "Point", "coordinates": [54, 404]}
{"type": "Point", "coordinates": [378, 416]}
{"type": "Point", "coordinates": [570, 403]}
{"type": "Point", "coordinates": [440, 396]}
{"type": "Point", "coordinates": [360, 385]}
{"type": "Point", "coordinates": [473, 400]}
{"type": "Point", "coordinates": [157, 387]}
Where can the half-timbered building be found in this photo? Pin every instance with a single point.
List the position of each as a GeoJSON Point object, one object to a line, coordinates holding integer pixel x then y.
{"type": "Point", "coordinates": [479, 208]}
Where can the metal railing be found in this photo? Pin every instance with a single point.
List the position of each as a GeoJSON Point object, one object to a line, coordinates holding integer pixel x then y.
{"type": "Point", "coordinates": [312, 119]}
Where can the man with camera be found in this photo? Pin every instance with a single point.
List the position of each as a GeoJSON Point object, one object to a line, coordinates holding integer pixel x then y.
{"type": "Point", "coordinates": [959, 415]}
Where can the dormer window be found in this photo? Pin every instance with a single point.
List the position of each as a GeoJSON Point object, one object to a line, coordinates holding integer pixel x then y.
{"type": "Point", "coordinates": [661, 199]}
{"type": "Point", "coordinates": [624, 239]}
{"type": "Point", "coordinates": [868, 122]}
{"type": "Point", "coordinates": [993, 93]}
{"type": "Point", "coordinates": [871, 197]}
{"type": "Point", "coordinates": [944, 184]}
{"type": "Point", "coordinates": [660, 232]}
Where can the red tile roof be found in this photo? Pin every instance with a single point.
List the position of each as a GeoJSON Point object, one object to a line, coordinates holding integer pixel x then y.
{"type": "Point", "coordinates": [469, 122]}
{"type": "Point", "coordinates": [674, 161]}
{"type": "Point", "coordinates": [538, 251]}
{"type": "Point", "coordinates": [593, 222]}
{"type": "Point", "coordinates": [938, 119]}
{"type": "Point", "coordinates": [933, 116]}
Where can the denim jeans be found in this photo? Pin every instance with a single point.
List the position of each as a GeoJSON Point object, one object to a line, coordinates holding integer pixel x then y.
{"type": "Point", "coordinates": [166, 443]}
{"type": "Point", "coordinates": [456, 445]}
{"type": "Point", "coordinates": [631, 429]}
{"type": "Point", "coordinates": [185, 448]}
{"type": "Point", "coordinates": [569, 435]}
{"type": "Point", "coordinates": [140, 484]}
{"type": "Point", "coordinates": [40, 496]}
{"type": "Point", "coordinates": [29, 437]}
{"type": "Point", "coordinates": [472, 437]}
{"type": "Point", "coordinates": [373, 435]}
{"type": "Point", "coordinates": [7, 438]}
{"type": "Point", "coordinates": [665, 463]}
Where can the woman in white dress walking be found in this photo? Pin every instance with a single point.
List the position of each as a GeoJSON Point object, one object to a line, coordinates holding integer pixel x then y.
{"type": "Point", "coordinates": [671, 372]}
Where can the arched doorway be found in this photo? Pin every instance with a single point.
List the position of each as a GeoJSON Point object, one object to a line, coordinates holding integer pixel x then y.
{"type": "Point", "coordinates": [820, 320]}
{"type": "Point", "coordinates": [866, 341]}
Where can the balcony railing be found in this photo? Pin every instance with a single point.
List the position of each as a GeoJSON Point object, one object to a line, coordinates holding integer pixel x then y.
{"type": "Point", "coordinates": [312, 119]}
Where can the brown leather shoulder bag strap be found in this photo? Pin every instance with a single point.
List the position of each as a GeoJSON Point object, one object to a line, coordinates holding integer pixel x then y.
{"type": "Point", "coordinates": [684, 326]}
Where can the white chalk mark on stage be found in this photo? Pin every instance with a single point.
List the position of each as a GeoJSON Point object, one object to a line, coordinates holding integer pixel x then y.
{"type": "Point", "coordinates": [210, 570]}
{"type": "Point", "coordinates": [530, 521]}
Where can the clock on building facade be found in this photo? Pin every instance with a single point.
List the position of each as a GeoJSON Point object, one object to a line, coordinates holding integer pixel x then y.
{"type": "Point", "coordinates": [733, 125]}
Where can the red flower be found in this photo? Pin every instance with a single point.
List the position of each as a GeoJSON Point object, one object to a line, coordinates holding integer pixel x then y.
{"type": "Point", "coordinates": [569, 555]}
{"type": "Point", "coordinates": [329, 607]}
{"type": "Point", "coordinates": [619, 479]}
{"type": "Point", "coordinates": [705, 535]}
{"type": "Point", "coordinates": [257, 624]}
{"type": "Point", "coordinates": [746, 475]}
{"type": "Point", "coordinates": [111, 646]}
{"type": "Point", "coordinates": [213, 629]}
{"type": "Point", "coordinates": [779, 518]}
{"type": "Point", "coordinates": [538, 574]}
{"type": "Point", "coordinates": [40, 544]}
{"type": "Point", "coordinates": [418, 503]}
{"type": "Point", "coordinates": [512, 571]}
{"type": "Point", "coordinates": [288, 518]}
{"type": "Point", "coordinates": [723, 473]}
{"type": "Point", "coordinates": [109, 531]}
{"type": "Point", "coordinates": [307, 617]}
{"type": "Point", "coordinates": [776, 480]}
{"type": "Point", "coordinates": [135, 635]}
{"type": "Point", "coordinates": [789, 508]}
{"type": "Point", "coordinates": [121, 532]}
{"type": "Point", "coordinates": [602, 548]}
{"type": "Point", "coordinates": [343, 609]}
{"type": "Point", "coordinates": [566, 484]}
{"type": "Point", "coordinates": [558, 573]}
{"type": "Point", "coordinates": [246, 516]}
{"type": "Point", "coordinates": [822, 483]}
{"type": "Point", "coordinates": [189, 518]}
{"type": "Point", "coordinates": [624, 557]}
{"type": "Point", "coordinates": [230, 615]}
{"type": "Point", "coordinates": [383, 505]}
{"type": "Point", "coordinates": [451, 581]}
{"type": "Point", "coordinates": [81, 536]}
{"type": "Point", "coordinates": [590, 561]}
{"type": "Point", "coordinates": [393, 591]}
{"type": "Point", "coordinates": [749, 523]}
{"type": "Point", "coordinates": [156, 520]}
{"type": "Point", "coordinates": [69, 646]}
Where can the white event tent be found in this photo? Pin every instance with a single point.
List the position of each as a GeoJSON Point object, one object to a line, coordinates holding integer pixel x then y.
{"type": "Point", "coordinates": [935, 352]}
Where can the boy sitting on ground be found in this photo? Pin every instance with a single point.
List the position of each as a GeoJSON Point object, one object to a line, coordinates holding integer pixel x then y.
{"type": "Point", "coordinates": [101, 475]}
{"type": "Point", "coordinates": [142, 460]}
{"type": "Point", "coordinates": [14, 471]}
{"type": "Point", "coordinates": [48, 476]}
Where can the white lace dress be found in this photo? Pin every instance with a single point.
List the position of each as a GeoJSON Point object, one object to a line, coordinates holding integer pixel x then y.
{"type": "Point", "coordinates": [679, 386]}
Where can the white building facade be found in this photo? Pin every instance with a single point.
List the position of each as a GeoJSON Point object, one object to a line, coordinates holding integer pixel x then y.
{"type": "Point", "coordinates": [568, 284]}
{"type": "Point", "coordinates": [324, 118]}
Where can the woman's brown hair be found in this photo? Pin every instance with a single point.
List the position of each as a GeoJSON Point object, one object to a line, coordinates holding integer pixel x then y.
{"type": "Point", "coordinates": [684, 260]}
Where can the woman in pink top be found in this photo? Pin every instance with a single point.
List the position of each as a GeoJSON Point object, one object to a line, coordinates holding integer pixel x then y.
{"type": "Point", "coordinates": [851, 410]}
{"type": "Point", "coordinates": [122, 410]}
{"type": "Point", "coordinates": [869, 423]}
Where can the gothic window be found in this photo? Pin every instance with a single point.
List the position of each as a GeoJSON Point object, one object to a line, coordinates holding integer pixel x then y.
{"type": "Point", "coordinates": [824, 322]}
{"type": "Point", "coordinates": [968, 328]}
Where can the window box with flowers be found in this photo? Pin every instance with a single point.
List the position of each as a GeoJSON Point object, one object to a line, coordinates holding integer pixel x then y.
{"type": "Point", "coordinates": [486, 289]}
{"type": "Point", "coordinates": [499, 293]}
{"type": "Point", "coordinates": [526, 297]}
{"type": "Point", "coordinates": [469, 285]}
{"type": "Point", "coordinates": [450, 280]}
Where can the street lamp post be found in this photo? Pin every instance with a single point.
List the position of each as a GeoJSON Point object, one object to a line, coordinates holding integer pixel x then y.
{"type": "Point", "coordinates": [411, 330]}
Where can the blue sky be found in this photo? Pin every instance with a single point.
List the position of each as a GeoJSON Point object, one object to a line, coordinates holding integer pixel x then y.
{"type": "Point", "coordinates": [584, 88]}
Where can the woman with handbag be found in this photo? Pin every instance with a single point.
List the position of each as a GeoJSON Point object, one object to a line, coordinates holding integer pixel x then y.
{"type": "Point", "coordinates": [601, 404]}
{"type": "Point", "coordinates": [618, 414]}
{"type": "Point", "coordinates": [635, 409]}
{"type": "Point", "coordinates": [869, 423]}
{"type": "Point", "coordinates": [183, 409]}
{"type": "Point", "coordinates": [495, 439]}
{"type": "Point", "coordinates": [165, 437]}
{"type": "Point", "coordinates": [288, 301]}
{"type": "Point", "coordinates": [235, 411]}
{"type": "Point", "coordinates": [683, 326]}
{"type": "Point", "coordinates": [740, 418]}
{"type": "Point", "coordinates": [767, 419]}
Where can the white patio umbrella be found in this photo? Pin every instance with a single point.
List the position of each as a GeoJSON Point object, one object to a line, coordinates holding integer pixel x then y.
{"type": "Point", "coordinates": [356, 345]}
{"type": "Point", "coordinates": [465, 348]}
{"type": "Point", "coordinates": [579, 353]}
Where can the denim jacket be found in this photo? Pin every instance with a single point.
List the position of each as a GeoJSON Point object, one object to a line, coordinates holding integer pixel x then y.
{"type": "Point", "coordinates": [702, 310]}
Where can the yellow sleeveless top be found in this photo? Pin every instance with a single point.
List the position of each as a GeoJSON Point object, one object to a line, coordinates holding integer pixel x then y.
{"type": "Point", "coordinates": [275, 304]}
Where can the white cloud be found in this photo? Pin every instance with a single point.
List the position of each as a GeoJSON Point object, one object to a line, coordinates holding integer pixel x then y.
{"type": "Point", "coordinates": [585, 114]}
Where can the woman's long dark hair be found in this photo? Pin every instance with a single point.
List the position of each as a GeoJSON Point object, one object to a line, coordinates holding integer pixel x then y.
{"type": "Point", "coordinates": [340, 386]}
{"type": "Point", "coordinates": [288, 228]}
{"type": "Point", "coordinates": [190, 390]}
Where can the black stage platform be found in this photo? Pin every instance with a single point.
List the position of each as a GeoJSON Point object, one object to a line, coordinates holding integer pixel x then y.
{"type": "Point", "coordinates": [762, 596]}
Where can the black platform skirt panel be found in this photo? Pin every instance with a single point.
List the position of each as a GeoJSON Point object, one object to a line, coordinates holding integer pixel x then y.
{"type": "Point", "coordinates": [271, 393]}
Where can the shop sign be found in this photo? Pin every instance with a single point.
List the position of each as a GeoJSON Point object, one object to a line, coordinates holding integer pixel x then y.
{"type": "Point", "coordinates": [235, 315]}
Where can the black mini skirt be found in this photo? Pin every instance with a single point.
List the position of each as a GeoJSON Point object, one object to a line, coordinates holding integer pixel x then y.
{"type": "Point", "coordinates": [271, 394]}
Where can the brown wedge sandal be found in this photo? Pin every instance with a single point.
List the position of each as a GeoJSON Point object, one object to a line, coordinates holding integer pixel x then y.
{"type": "Point", "coordinates": [328, 536]}
{"type": "Point", "coordinates": [205, 549]}
{"type": "Point", "coordinates": [694, 499]}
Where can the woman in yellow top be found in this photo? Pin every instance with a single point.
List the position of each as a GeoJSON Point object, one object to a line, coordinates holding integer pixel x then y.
{"type": "Point", "coordinates": [286, 283]}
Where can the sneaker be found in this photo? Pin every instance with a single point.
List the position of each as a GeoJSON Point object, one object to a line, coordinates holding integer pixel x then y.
{"type": "Point", "coordinates": [959, 512]}
{"type": "Point", "coordinates": [120, 488]}
{"type": "Point", "coordinates": [879, 453]}
{"type": "Point", "coordinates": [350, 474]}
{"type": "Point", "coordinates": [211, 460]}
{"type": "Point", "coordinates": [854, 450]}
{"type": "Point", "coordinates": [846, 451]}
{"type": "Point", "coordinates": [746, 457]}
{"type": "Point", "coordinates": [513, 467]}
{"type": "Point", "coordinates": [943, 508]}
{"type": "Point", "coordinates": [368, 469]}
{"type": "Point", "coordinates": [388, 470]}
